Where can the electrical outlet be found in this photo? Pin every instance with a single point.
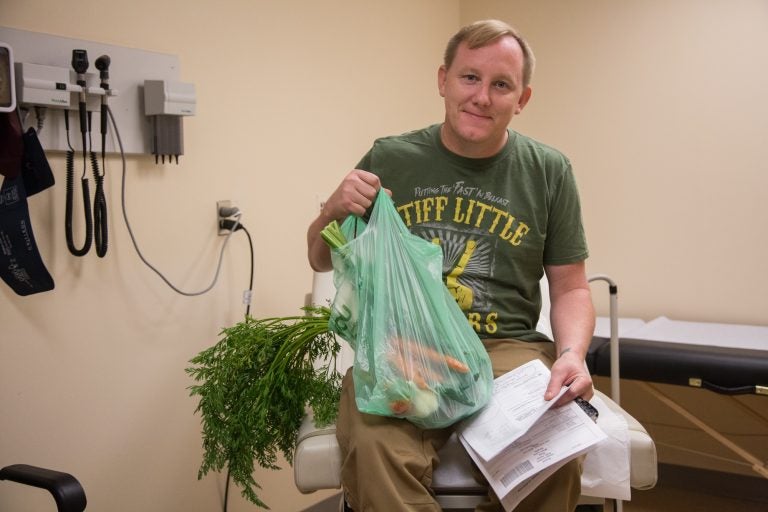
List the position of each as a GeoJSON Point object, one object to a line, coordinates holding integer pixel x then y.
{"type": "Point", "coordinates": [219, 205]}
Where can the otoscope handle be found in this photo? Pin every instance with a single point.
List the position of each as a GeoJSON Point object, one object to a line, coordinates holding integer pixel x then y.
{"type": "Point", "coordinates": [83, 119]}
{"type": "Point", "coordinates": [103, 116]}
{"type": "Point", "coordinates": [80, 65]}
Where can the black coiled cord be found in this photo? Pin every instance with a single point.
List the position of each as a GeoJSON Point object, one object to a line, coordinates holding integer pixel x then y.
{"type": "Point", "coordinates": [70, 200]}
{"type": "Point", "coordinates": [99, 209]}
{"type": "Point", "coordinates": [99, 200]}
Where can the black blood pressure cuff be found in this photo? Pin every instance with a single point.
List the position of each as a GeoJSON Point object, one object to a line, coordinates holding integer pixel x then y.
{"type": "Point", "coordinates": [35, 170]}
{"type": "Point", "coordinates": [21, 266]}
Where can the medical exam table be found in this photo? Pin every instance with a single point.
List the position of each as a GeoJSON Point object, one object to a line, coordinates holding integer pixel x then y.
{"type": "Point", "coordinates": [692, 383]}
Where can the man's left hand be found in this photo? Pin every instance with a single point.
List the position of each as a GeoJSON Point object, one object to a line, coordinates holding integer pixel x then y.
{"type": "Point", "coordinates": [569, 370]}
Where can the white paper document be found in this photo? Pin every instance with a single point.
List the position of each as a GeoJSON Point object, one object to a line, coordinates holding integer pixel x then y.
{"type": "Point", "coordinates": [517, 403]}
{"type": "Point", "coordinates": [528, 439]}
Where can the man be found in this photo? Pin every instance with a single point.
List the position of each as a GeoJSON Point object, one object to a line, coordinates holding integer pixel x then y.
{"type": "Point", "coordinates": [505, 209]}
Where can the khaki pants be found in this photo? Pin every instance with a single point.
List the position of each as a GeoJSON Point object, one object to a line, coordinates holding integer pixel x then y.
{"type": "Point", "coordinates": [387, 462]}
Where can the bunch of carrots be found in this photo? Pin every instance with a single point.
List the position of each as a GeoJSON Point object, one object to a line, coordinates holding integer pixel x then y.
{"type": "Point", "coordinates": [424, 369]}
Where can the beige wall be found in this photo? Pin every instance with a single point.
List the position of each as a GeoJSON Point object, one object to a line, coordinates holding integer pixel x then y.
{"type": "Point", "coordinates": [660, 105]}
{"type": "Point", "coordinates": [289, 96]}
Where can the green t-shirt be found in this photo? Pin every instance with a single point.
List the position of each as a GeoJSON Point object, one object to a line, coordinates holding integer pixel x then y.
{"type": "Point", "coordinates": [498, 221]}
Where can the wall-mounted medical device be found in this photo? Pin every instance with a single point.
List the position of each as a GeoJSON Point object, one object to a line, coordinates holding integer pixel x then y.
{"type": "Point", "coordinates": [7, 89]}
{"type": "Point", "coordinates": [46, 85]}
{"type": "Point", "coordinates": [165, 97]}
{"type": "Point", "coordinates": [52, 86]}
{"type": "Point", "coordinates": [166, 102]}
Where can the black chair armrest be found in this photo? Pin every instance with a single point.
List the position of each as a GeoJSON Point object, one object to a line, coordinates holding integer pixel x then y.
{"type": "Point", "coordinates": [66, 490]}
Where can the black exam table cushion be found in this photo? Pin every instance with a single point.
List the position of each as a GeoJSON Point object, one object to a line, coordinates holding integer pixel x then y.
{"type": "Point", "coordinates": [721, 369]}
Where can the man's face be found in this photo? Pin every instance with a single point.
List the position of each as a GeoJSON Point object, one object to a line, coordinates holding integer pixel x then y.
{"type": "Point", "coordinates": [483, 90]}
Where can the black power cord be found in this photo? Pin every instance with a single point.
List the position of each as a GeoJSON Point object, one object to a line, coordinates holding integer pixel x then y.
{"type": "Point", "coordinates": [250, 288]}
{"type": "Point", "coordinates": [232, 225]}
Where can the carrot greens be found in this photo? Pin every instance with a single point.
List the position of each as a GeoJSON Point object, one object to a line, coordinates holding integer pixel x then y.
{"type": "Point", "coordinates": [254, 386]}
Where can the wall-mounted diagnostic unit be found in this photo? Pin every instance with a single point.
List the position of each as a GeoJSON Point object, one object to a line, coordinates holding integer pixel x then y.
{"type": "Point", "coordinates": [45, 82]}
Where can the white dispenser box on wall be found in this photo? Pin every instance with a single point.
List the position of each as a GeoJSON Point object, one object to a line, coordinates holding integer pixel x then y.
{"type": "Point", "coordinates": [169, 98]}
{"type": "Point", "coordinates": [165, 104]}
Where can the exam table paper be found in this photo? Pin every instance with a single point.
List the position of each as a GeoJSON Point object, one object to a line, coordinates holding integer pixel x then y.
{"type": "Point", "coordinates": [753, 337]}
{"type": "Point", "coordinates": [606, 472]}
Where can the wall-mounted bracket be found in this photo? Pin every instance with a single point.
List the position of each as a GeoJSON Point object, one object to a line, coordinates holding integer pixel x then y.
{"type": "Point", "coordinates": [129, 68]}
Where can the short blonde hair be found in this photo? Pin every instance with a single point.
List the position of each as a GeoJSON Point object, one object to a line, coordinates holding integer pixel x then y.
{"type": "Point", "coordinates": [484, 32]}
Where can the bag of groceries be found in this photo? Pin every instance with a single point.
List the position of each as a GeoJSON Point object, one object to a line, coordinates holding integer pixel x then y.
{"type": "Point", "coordinates": [416, 356]}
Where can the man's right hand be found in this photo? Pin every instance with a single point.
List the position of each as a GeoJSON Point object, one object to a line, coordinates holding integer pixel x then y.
{"type": "Point", "coordinates": [354, 195]}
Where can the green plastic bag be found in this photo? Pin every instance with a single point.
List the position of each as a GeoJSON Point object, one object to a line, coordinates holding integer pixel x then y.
{"type": "Point", "coordinates": [416, 356]}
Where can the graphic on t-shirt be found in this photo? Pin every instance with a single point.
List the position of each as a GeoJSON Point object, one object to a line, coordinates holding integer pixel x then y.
{"type": "Point", "coordinates": [477, 232]}
{"type": "Point", "coordinates": [461, 293]}
{"type": "Point", "coordinates": [467, 264]}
